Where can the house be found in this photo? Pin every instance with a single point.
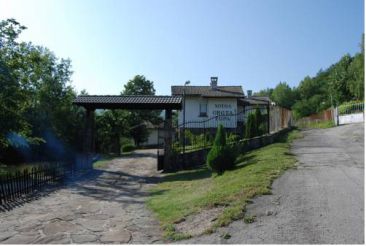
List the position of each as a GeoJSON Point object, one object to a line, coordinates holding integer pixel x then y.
{"type": "Point", "coordinates": [208, 106]}
{"type": "Point", "coordinates": [153, 139]}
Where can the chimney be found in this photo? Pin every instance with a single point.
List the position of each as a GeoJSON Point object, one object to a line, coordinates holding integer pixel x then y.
{"type": "Point", "coordinates": [249, 93]}
{"type": "Point", "coordinates": [214, 83]}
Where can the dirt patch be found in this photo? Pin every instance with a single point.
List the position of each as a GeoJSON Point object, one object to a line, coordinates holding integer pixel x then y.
{"type": "Point", "coordinates": [197, 224]}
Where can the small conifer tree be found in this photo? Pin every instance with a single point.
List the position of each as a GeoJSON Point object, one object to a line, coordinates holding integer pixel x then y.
{"type": "Point", "coordinates": [258, 122]}
{"type": "Point", "coordinates": [249, 127]}
{"type": "Point", "coordinates": [220, 157]}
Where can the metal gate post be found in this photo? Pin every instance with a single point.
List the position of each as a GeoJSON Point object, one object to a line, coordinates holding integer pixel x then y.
{"type": "Point", "coordinates": [168, 140]}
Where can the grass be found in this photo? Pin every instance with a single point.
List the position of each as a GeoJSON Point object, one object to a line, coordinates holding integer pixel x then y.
{"type": "Point", "coordinates": [318, 124]}
{"type": "Point", "coordinates": [104, 160]}
{"type": "Point", "coordinates": [188, 192]}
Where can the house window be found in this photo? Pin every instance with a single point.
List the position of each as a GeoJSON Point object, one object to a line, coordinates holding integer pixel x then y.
{"type": "Point", "coordinates": [203, 110]}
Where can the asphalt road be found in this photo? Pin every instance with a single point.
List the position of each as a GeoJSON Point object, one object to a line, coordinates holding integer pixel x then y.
{"type": "Point", "coordinates": [319, 202]}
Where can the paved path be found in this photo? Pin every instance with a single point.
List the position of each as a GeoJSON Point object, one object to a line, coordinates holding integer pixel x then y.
{"type": "Point", "coordinates": [320, 202]}
{"type": "Point", "coordinates": [107, 206]}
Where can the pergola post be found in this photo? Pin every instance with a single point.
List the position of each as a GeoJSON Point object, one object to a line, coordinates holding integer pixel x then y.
{"type": "Point", "coordinates": [89, 146]}
{"type": "Point", "coordinates": [168, 140]}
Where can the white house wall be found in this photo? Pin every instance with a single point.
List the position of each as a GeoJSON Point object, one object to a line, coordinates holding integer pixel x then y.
{"type": "Point", "coordinates": [152, 138]}
{"type": "Point", "coordinates": [221, 107]}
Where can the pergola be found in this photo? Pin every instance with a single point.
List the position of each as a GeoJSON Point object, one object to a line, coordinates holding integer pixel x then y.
{"type": "Point", "coordinates": [91, 103]}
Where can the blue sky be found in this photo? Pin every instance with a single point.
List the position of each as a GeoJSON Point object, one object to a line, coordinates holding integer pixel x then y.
{"type": "Point", "coordinates": [253, 43]}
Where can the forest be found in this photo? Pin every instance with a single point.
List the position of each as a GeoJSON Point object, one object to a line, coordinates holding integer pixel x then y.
{"type": "Point", "coordinates": [339, 83]}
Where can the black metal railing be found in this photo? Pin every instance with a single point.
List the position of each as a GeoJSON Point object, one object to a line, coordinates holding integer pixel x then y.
{"type": "Point", "coordinates": [14, 185]}
{"type": "Point", "coordinates": [195, 135]}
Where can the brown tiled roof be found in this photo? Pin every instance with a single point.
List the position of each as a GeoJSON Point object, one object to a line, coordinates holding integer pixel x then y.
{"type": "Point", "coordinates": [207, 91]}
{"type": "Point", "coordinates": [130, 102]}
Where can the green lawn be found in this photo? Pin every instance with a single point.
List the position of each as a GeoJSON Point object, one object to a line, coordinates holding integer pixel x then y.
{"type": "Point", "coordinates": [188, 192]}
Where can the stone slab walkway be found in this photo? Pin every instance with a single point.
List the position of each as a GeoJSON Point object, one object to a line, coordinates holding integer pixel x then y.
{"type": "Point", "coordinates": [105, 206]}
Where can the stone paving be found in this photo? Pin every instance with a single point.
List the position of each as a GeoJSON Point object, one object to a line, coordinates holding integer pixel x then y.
{"type": "Point", "coordinates": [105, 206]}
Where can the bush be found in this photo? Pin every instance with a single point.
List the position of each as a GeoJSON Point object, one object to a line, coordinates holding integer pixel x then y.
{"type": "Point", "coordinates": [128, 148]}
{"type": "Point", "coordinates": [232, 137]}
{"type": "Point", "coordinates": [255, 124]}
{"type": "Point", "coordinates": [230, 154]}
{"type": "Point", "coordinates": [249, 127]}
{"type": "Point", "coordinates": [258, 121]}
{"type": "Point", "coordinates": [221, 156]}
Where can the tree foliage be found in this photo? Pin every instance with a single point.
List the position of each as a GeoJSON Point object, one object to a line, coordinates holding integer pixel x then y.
{"type": "Point", "coordinates": [283, 95]}
{"type": "Point", "coordinates": [255, 125]}
{"type": "Point", "coordinates": [139, 85]}
{"type": "Point", "coordinates": [339, 83]}
{"type": "Point", "coordinates": [115, 125]}
{"type": "Point", "coordinates": [35, 97]}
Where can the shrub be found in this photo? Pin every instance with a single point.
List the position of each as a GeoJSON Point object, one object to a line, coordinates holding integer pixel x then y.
{"type": "Point", "coordinates": [221, 156]}
{"type": "Point", "coordinates": [215, 159]}
{"type": "Point", "coordinates": [255, 124]}
{"type": "Point", "coordinates": [232, 137]}
{"type": "Point", "coordinates": [230, 154]}
{"type": "Point", "coordinates": [128, 148]}
{"type": "Point", "coordinates": [249, 127]}
{"type": "Point", "coordinates": [258, 121]}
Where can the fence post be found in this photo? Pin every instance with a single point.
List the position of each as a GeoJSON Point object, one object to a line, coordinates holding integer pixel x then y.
{"type": "Point", "coordinates": [204, 134]}
{"type": "Point", "coordinates": [17, 184]}
{"type": "Point", "coordinates": [1, 190]}
{"type": "Point", "coordinates": [268, 119]}
{"type": "Point", "coordinates": [335, 116]}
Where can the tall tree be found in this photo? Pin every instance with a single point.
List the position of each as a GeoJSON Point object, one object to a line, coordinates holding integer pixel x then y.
{"type": "Point", "coordinates": [338, 80]}
{"type": "Point", "coordinates": [264, 93]}
{"type": "Point", "coordinates": [283, 95]}
{"type": "Point", "coordinates": [37, 94]}
{"type": "Point", "coordinates": [356, 72]}
{"type": "Point", "coordinates": [139, 85]}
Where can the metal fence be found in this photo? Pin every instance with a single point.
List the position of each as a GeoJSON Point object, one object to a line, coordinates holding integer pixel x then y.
{"type": "Point", "coordinates": [351, 108]}
{"type": "Point", "coordinates": [197, 135]}
{"type": "Point", "coordinates": [15, 185]}
{"type": "Point", "coordinates": [350, 112]}
{"type": "Point", "coordinates": [194, 135]}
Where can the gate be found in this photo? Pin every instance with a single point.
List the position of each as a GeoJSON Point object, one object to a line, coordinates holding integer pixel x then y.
{"type": "Point", "coordinates": [350, 113]}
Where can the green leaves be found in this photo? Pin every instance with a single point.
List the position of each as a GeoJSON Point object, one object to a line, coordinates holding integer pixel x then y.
{"type": "Point", "coordinates": [139, 85]}
{"type": "Point", "coordinates": [341, 82]}
{"type": "Point", "coordinates": [221, 156]}
{"type": "Point", "coordinates": [36, 95]}
{"type": "Point", "coordinates": [283, 95]}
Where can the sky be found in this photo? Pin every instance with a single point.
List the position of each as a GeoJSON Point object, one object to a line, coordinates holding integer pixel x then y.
{"type": "Point", "coordinates": [252, 43]}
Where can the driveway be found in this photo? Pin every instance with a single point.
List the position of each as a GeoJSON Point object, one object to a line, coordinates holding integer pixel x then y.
{"type": "Point", "coordinates": [105, 206]}
{"type": "Point", "coordinates": [319, 202]}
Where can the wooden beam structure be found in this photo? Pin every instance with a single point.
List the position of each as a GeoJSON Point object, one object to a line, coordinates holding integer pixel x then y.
{"type": "Point", "coordinates": [148, 102]}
